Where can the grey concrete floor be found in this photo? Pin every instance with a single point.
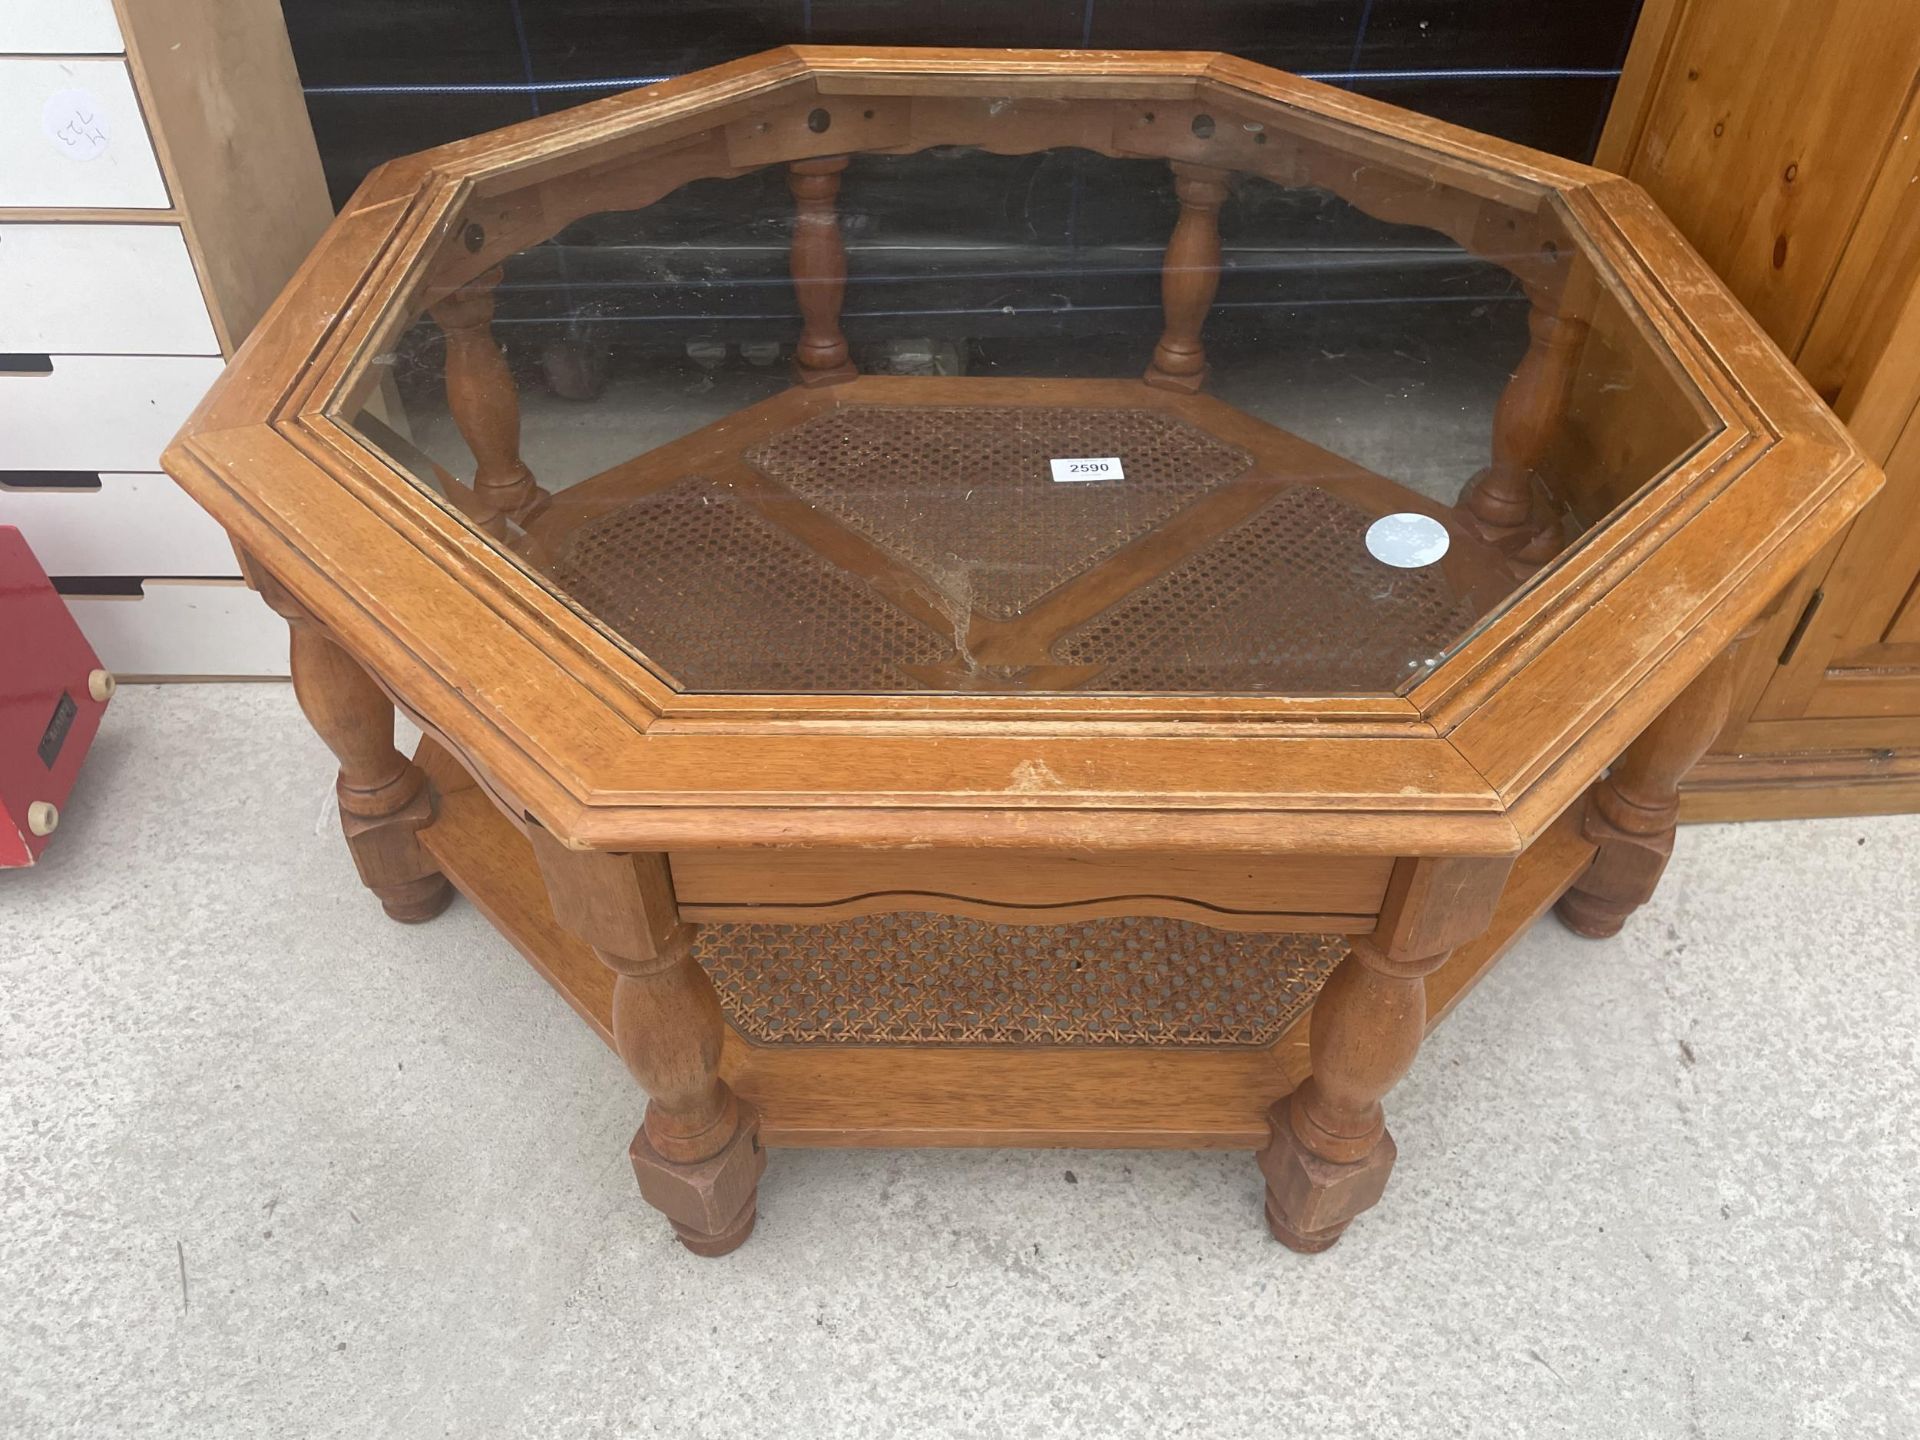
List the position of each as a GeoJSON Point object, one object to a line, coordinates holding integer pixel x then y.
{"type": "Point", "coordinates": [271, 1165]}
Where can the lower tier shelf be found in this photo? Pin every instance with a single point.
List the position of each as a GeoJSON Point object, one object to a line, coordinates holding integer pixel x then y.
{"type": "Point", "coordinates": [916, 978]}
{"type": "Point", "coordinates": [861, 1056]}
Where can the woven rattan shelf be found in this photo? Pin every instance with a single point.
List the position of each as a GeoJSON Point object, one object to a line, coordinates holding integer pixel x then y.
{"type": "Point", "coordinates": [918, 979]}
{"type": "Point", "coordinates": [836, 542]}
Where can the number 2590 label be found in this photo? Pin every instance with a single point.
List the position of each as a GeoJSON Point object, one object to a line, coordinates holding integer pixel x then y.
{"type": "Point", "coordinates": [1073, 471]}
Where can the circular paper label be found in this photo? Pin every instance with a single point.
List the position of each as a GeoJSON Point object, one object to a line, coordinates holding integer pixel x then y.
{"type": "Point", "coordinates": [76, 123]}
{"type": "Point", "coordinates": [1406, 540]}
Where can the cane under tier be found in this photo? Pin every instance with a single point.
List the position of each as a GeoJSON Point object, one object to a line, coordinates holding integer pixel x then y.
{"type": "Point", "coordinates": [895, 534]}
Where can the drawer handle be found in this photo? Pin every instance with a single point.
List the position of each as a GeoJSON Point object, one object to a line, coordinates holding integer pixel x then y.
{"type": "Point", "coordinates": [98, 587]}
{"type": "Point", "coordinates": [49, 479]}
{"type": "Point", "coordinates": [25, 364]}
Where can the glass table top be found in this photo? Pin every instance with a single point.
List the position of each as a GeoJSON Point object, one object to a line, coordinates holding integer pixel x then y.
{"type": "Point", "coordinates": [1057, 421]}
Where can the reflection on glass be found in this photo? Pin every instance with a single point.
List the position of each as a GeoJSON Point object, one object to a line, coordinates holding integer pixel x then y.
{"type": "Point", "coordinates": [1089, 416]}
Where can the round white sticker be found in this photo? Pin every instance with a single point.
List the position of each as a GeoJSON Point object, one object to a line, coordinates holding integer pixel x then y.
{"type": "Point", "coordinates": [76, 123]}
{"type": "Point", "coordinates": [1406, 540]}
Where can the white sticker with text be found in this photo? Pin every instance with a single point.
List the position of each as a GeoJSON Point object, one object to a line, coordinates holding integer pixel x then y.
{"type": "Point", "coordinates": [1074, 471]}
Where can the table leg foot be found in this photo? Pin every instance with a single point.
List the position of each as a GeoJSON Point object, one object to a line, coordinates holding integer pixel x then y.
{"type": "Point", "coordinates": [1311, 1200]}
{"type": "Point", "coordinates": [1589, 916]}
{"type": "Point", "coordinates": [712, 1247]}
{"type": "Point", "coordinates": [712, 1203]}
{"type": "Point", "coordinates": [1308, 1244]}
{"type": "Point", "coordinates": [414, 901]}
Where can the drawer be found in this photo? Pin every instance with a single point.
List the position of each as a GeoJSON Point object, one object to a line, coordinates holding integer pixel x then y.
{"type": "Point", "coordinates": [1257, 891]}
{"type": "Point", "coordinates": [104, 289]}
{"type": "Point", "coordinates": [122, 525]}
{"type": "Point", "coordinates": [99, 412]}
{"type": "Point", "coordinates": [72, 136]}
{"type": "Point", "coordinates": [181, 628]}
{"type": "Point", "coordinates": [59, 27]}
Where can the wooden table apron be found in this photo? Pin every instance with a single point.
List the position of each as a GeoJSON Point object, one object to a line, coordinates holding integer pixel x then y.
{"type": "Point", "coordinates": [1347, 865]}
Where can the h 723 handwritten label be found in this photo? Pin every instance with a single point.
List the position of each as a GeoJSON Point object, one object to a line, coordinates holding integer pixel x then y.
{"type": "Point", "coordinates": [1070, 472]}
{"type": "Point", "coordinates": [75, 122]}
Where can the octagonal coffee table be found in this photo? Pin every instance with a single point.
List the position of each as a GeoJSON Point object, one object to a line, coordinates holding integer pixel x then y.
{"type": "Point", "coordinates": [1185, 566]}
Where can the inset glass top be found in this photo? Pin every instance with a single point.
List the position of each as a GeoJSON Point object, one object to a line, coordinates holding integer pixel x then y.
{"type": "Point", "coordinates": [1030, 394]}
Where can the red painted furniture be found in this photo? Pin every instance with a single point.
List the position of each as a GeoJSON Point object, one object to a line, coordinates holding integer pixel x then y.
{"type": "Point", "coordinates": [52, 694]}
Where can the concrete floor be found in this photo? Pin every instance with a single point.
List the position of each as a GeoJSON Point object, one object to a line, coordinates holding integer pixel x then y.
{"type": "Point", "coordinates": [271, 1165]}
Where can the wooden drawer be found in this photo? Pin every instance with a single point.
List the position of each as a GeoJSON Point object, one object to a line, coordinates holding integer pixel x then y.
{"type": "Point", "coordinates": [1231, 891]}
{"type": "Point", "coordinates": [99, 412]}
{"type": "Point", "coordinates": [72, 136]}
{"type": "Point", "coordinates": [125, 525]}
{"type": "Point", "coordinates": [102, 289]}
{"type": "Point", "coordinates": [184, 627]}
{"type": "Point", "coordinates": [59, 27]}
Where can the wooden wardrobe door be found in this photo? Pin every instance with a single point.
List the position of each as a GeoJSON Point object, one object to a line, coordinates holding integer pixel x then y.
{"type": "Point", "coordinates": [1783, 137]}
{"type": "Point", "coordinates": [1857, 656]}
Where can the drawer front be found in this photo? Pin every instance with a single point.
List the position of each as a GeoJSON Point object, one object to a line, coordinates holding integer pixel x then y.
{"type": "Point", "coordinates": [141, 525]}
{"type": "Point", "coordinates": [1250, 890]}
{"type": "Point", "coordinates": [182, 628]}
{"type": "Point", "coordinates": [59, 27]}
{"type": "Point", "coordinates": [99, 412]}
{"type": "Point", "coordinates": [102, 289]}
{"type": "Point", "coordinates": [72, 136]}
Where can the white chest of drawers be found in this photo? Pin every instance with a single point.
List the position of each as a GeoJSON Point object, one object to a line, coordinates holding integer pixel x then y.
{"type": "Point", "coordinates": [158, 184]}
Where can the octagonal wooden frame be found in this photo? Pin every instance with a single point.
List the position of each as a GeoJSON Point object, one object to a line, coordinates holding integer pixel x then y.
{"type": "Point", "coordinates": [566, 726]}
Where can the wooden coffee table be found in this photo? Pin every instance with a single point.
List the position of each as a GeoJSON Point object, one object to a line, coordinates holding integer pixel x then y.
{"type": "Point", "coordinates": [1089, 754]}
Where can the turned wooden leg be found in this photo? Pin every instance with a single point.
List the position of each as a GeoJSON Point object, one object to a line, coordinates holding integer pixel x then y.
{"type": "Point", "coordinates": [485, 405]}
{"type": "Point", "coordinates": [1189, 277]}
{"type": "Point", "coordinates": [385, 800]}
{"type": "Point", "coordinates": [819, 263]}
{"type": "Point", "coordinates": [1499, 501]}
{"type": "Point", "coordinates": [697, 1153]}
{"type": "Point", "coordinates": [1330, 1154]}
{"type": "Point", "coordinates": [1633, 812]}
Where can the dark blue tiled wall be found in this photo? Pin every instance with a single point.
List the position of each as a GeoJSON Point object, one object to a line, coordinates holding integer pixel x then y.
{"type": "Point", "coordinates": [962, 245]}
{"type": "Point", "coordinates": [385, 77]}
